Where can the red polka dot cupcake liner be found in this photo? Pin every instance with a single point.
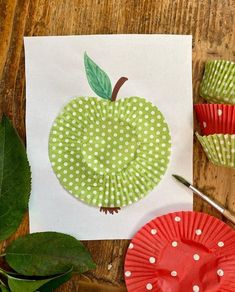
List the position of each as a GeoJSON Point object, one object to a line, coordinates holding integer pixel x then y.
{"type": "Point", "coordinates": [182, 251]}
{"type": "Point", "coordinates": [216, 118]}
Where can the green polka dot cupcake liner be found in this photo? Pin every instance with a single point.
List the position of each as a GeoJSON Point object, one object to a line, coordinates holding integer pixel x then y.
{"type": "Point", "coordinates": [219, 148]}
{"type": "Point", "coordinates": [218, 83]}
{"type": "Point", "coordinates": [109, 154]}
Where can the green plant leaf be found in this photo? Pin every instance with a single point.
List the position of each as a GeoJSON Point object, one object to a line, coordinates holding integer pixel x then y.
{"type": "Point", "coordinates": [56, 282]}
{"type": "Point", "coordinates": [15, 179]}
{"type": "Point", "coordinates": [97, 78]}
{"type": "Point", "coordinates": [4, 288]}
{"type": "Point", "coordinates": [17, 284]}
{"type": "Point", "coordinates": [22, 282]}
{"type": "Point", "coordinates": [48, 253]}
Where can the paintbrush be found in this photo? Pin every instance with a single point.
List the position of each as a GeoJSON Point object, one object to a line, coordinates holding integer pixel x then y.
{"type": "Point", "coordinates": [217, 206]}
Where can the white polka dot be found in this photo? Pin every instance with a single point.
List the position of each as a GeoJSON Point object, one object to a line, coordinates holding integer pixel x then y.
{"type": "Point", "coordinates": [220, 272]}
{"type": "Point", "coordinates": [174, 243]}
{"type": "Point", "coordinates": [177, 219]}
{"type": "Point", "coordinates": [152, 260]}
{"type": "Point", "coordinates": [220, 112]}
{"type": "Point", "coordinates": [220, 243]}
{"type": "Point", "coordinates": [173, 273]}
{"type": "Point", "coordinates": [153, 231]}
{"type": "Point", "coordinates": [131, 245]}
{"type": "Point", "coordinates": [196, 288]}
{"type": "Point", "coordinates": [196, 257]}
{"type": "Point", "coordinates": [204, 124]}
{"type": "Point", "coordinates": [127, 273]}
{"type": "Point", "coordinates": [198, 232]}
{"type": "Point", "coordinates": [149, 286]}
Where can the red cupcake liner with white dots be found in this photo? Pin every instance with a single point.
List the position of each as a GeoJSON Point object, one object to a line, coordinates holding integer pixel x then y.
{"type": "Point", "coordinates": [216, 118]}
{"type": "Point", "coordinates": [182, 252]}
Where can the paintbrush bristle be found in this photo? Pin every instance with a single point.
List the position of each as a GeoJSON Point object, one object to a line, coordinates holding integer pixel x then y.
{"type": "Point", "coordinates": [182, 180]}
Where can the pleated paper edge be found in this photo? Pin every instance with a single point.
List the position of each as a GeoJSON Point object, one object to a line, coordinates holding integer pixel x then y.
{"type": "Point", "coordinates": [138, 197]}
{"type": "Point", "coordinates": [210, 145]}
{"type": "Point", "coordinates": [211, 88]}
{"type": "Point", "coordinates": [211, 222]}
{"type": "Point", "coordinates": [221, 118]}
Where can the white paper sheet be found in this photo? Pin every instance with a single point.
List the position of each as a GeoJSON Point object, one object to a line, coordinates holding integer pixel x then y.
{"type": "Point", "coordinates": [158, 68]}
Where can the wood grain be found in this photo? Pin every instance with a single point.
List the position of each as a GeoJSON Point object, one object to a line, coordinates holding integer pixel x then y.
{"type": "Point", "coordinates": [212, 24]}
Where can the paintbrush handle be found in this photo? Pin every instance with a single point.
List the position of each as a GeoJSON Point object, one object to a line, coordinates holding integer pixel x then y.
{"type": "Point", "coordinates": [227, 214]}
{"type": "Point", "coordinates": [216, 205]}
{"type": "Point", "coordinates": [231, 217]}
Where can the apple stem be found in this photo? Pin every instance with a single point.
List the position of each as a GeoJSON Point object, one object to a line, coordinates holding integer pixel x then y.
{"type": "Point", "coordinates": [117, 87]}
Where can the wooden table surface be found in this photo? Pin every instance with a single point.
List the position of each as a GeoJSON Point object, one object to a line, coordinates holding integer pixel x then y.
{"type": "Point", "coordinates": [212, 24]}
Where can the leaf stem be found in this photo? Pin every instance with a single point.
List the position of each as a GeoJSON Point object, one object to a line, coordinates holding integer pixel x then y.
{"type": "Point", "coordinates": [1, 283]}
{"type": "Point", "coordinates": [117, 87]}
{"type": "Point", "coordinates": [3, 272]}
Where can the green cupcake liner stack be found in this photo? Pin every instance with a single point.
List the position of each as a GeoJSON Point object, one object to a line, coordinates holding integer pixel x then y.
{"type": "Point", "coordinates": [218, 86]}
{"type": "Point", "coordinates": [218, 83]}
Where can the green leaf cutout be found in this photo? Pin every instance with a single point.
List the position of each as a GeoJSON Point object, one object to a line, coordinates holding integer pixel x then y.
{"type": "Point", "coordinates": [97, 78]}
{"type": "Point", "coordinates": [15, 179]}
{"type": "Point", "coordinates": [48, 253]}
{"type": "Point", "coordinates": [17, 284]}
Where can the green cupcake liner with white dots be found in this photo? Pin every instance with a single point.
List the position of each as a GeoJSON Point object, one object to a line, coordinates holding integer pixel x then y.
{"type": "Point", "coordinates": [218, 83]}
{"type": "Point", "coordinates": [219, 148]}
{"type": "Point", "coordinates": [109, 154]}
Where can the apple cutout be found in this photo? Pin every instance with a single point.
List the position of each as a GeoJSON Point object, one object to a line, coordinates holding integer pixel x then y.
{"type": "Point", "coordinates": [109, 153]}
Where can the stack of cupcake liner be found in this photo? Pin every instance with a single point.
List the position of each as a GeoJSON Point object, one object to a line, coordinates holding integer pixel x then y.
{"type": "Point", "coordinates": [217, 120]}
{"type": "Point", "coordinates": [218, 84]}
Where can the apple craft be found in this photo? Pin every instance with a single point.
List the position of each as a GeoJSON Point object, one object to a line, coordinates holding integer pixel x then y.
{"type": "Point", "coordinates": [109, 153]}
